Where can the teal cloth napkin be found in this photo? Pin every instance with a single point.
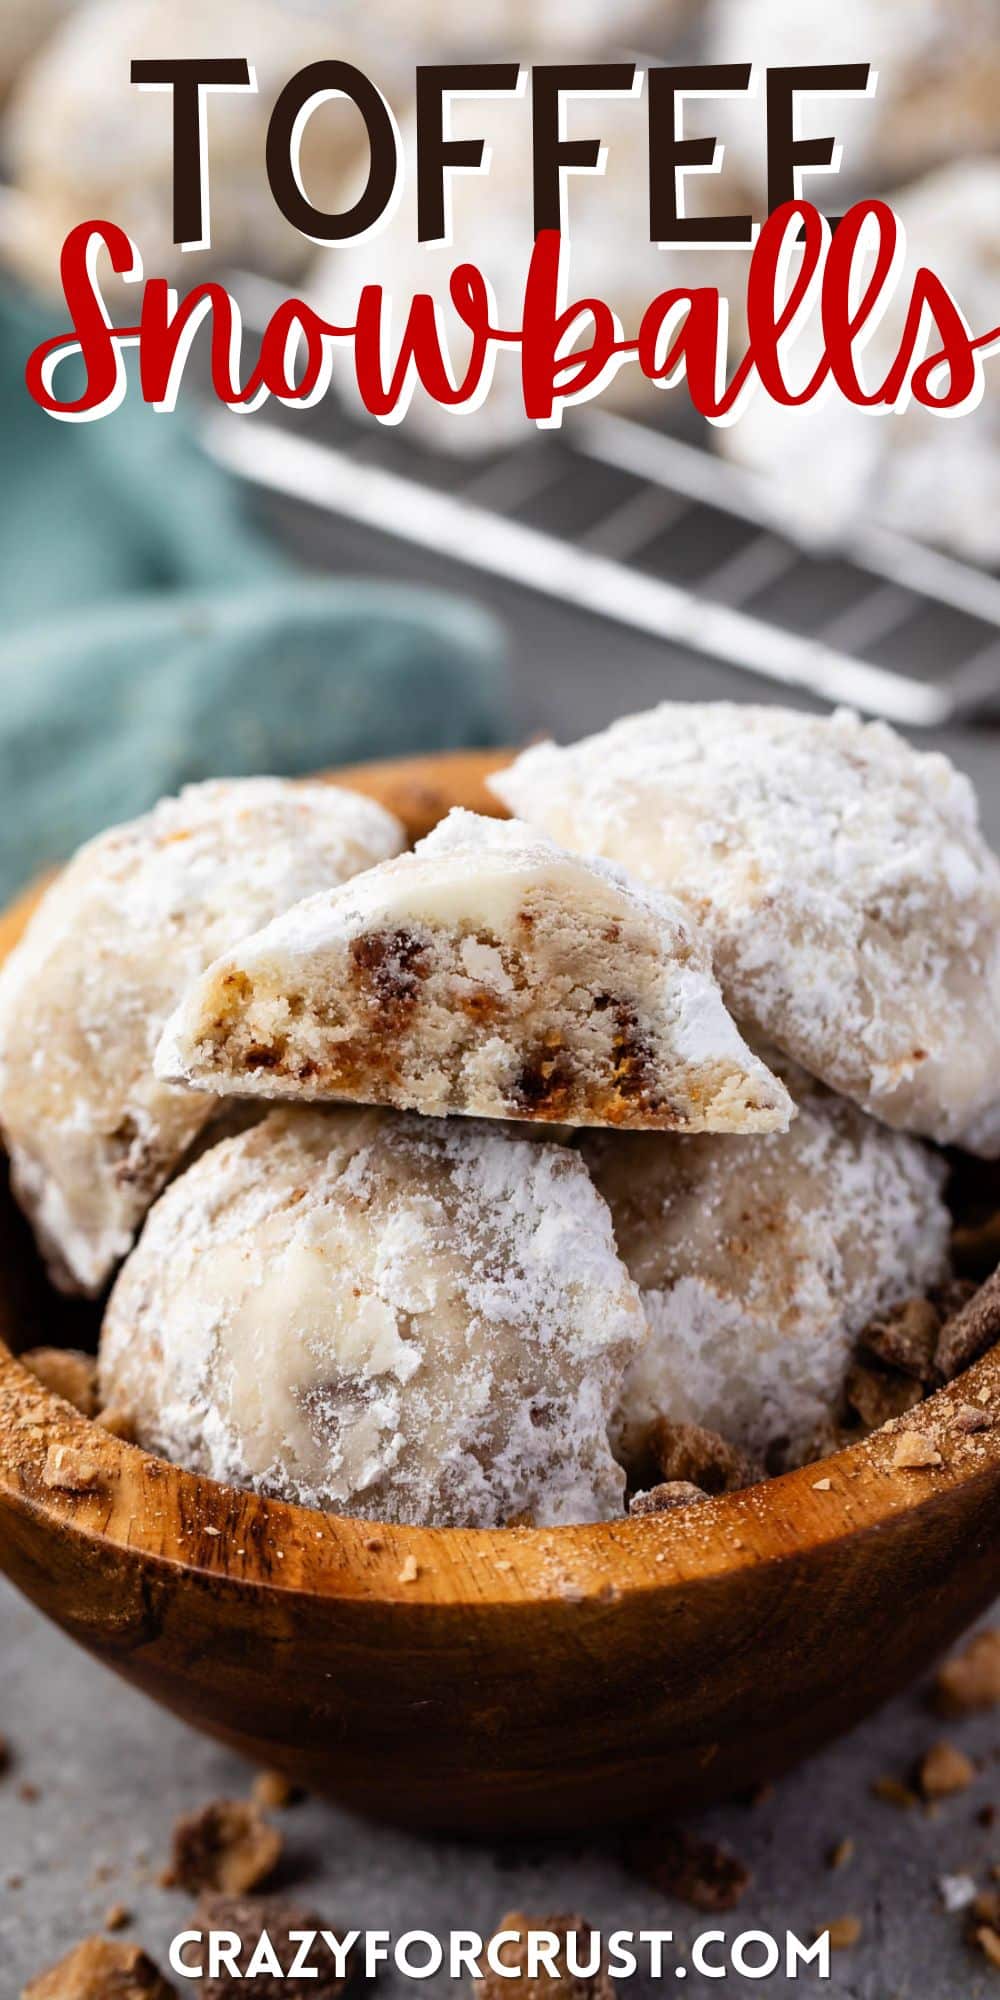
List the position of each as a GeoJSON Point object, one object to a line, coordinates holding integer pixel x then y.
{"type": "Point", "coordinates": [149, 636]}
{"type": "Point", "coordinates": [103, 714]}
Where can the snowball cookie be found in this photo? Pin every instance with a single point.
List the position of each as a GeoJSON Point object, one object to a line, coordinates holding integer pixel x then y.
{"type": "Point", "coordinates": [487, 972]}
{"type": "Point", "coordinates": [25, 25]}
{"type": "Point", "coordinates": [760, 1261]}
{"type": "Point", "coordinates": [851, 902]}
{"type": "Point", "coordinates": [492, 225]}
{"type": "Point", "coordinates": [402, 1318]}
{"type": "Point", "coordinates": [529, 29]}
{"type": "Point", "coordinates": [912, 471]}
{"type": "Point", "coordinates": [938, 93]}
{"type": "Point", "coordinates": [118, 938]}
{"type": "Point", "coordinates": [83, 142]}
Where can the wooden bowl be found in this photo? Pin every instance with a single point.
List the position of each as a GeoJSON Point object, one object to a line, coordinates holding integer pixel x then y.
{"type": "Point", "coordinates": [495, 1682]}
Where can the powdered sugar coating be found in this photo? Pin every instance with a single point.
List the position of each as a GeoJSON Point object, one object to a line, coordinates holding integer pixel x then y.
{"type": "Point", "coordinates": [761, 1259]}
{"type": "Point", "coordinates": [488, 973]}
{"type": "Point", "coordinates": [851, 901]}
{"type": "Point", "coordinates": [123, 931]}
{"type": "Point", "coordinates": [396, 1317]}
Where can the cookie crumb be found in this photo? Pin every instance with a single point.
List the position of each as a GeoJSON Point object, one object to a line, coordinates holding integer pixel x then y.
{"type": "Point", "coordinates": [970, 1332]}
{"type": "Point", "coordinates": [945, 1771]}
{"type": "Point", "coordinates": [561, 1985]}
{"type": "Point", "coordinates": [273, 1792]}
{"type": "Point", "coordinates": [118, 1422]}
{"type": "Point", "coordinates": [986, 1908]}
{"type": "Point", "coordinates": [971, 1418]}
{"type": "Point", "coordinates": [65, 1372]}
{"type": "Point", "coordinates": [822, 1485]}
{"type": "Point", "coordinates": [843, 1932]}
{"type": "Point", "coordinates": [697, 1456]}
{"type": "Point", "coordinates": [117, 1917]}
{"type": "Point", "coordinates": [913, 1453]}
{"type": "Point", "coordinates": [664, 1498]}
{"type": "Point", "coordinates": [249, 1917]}
{"type": "Point", "coordinates": [957, 1892]}
{"type": "Point", "coordinates": [877, 1394]}
{"type": "Point", "coordinates": [906, 1339]}
{"type": "Point", "coordinates": [72, 1468]}
{"type": "Point", "coordinates": [98, 1970]}
{"type": "Point", "coordinates": [988, 1941]}
{"type": "Point", "coordinates": [228, 1846]}
{"type": "Point", "coordinates": [841, 1855]}
{"type": "Point", "coordinates": [699, 1872]}
{"type": "Point", "coordinates": [893, 1792]}
{"type": "Point", "coordinates": [410, 1570]}
{"type": "Point", "coordinates": [971, 1679]}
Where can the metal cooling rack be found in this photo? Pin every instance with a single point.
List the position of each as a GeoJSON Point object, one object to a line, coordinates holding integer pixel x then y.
{"type": "Point", "coordinates": [655, 532]}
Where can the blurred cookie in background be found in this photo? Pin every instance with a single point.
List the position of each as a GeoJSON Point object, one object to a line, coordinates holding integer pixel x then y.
{"type": "Point", "coordinates": [913, 470]}
{"type": "Point", "coordinates": [25, 25]}
{"type": "Point", "coordinates": [561, 30]}
{"type": "Point", "coordinates": [938, 94]}
{"type": "Point", "coordinates": [83, 143]}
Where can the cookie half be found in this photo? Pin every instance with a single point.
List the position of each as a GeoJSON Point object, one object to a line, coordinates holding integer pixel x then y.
{"type": "Point", "coordinates": [488, 973]}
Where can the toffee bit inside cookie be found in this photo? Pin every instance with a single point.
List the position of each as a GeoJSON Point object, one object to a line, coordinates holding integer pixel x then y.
{"type": "Point", "coordinates": [96, 1969]}
{"type": "Point", "coordinates": [574, 1945]}
{"type": "Point", "coordinates": [67, 1373]}
{"type": "Point", "coordinates": [666, 1498]}
{"type": "Point", "coordinates": [971, 1679]}
{"type": "Point", "coordinates": [699, 1872]}
{"type": "Point", "coordinates": [249, 1918]}
{"type": "Point", "coordinates": [227, 1846]}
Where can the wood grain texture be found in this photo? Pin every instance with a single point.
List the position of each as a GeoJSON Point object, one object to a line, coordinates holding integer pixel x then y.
{"type": "Point", "coordinates": [523, 1679]}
